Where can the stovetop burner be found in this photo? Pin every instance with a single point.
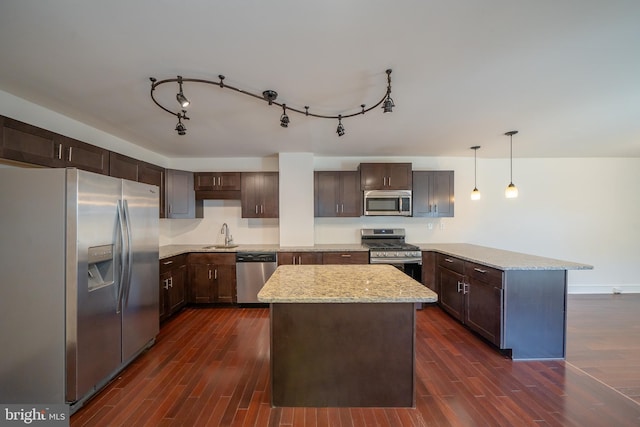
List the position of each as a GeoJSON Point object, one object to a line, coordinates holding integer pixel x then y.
{"type": "Point", "coordinates": [386, 245]}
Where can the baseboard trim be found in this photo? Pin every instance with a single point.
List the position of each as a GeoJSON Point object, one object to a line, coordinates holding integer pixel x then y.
{"type": "Point", "coordinates": [604, 289]}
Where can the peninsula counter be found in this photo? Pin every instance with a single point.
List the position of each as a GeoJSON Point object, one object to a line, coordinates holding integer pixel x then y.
{"type": "Point", "coordinates": [343, 335]}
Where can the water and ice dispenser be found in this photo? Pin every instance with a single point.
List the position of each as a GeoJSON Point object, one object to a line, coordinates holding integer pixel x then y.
{"type": "Point", "coordinates": [100, 264]}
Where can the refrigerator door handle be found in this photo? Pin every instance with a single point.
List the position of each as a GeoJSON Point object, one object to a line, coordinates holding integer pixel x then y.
{"type": "Point", "coordinates": [123, 260]}
{"type": "Point", "coordinates": [127, 283]}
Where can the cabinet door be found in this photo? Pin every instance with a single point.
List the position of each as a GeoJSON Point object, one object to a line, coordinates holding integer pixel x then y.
{"type": "Point", "coordinates": [249, 194]}
{"type": "Point", "coordinates": [201, 283]}
{"type": "Point", "coordinates": [225, 284]}
{"type": "Point", "coordinates": [85, 156]}
{"type": "Point", "coordinates": [350, 195]}
{"type": "Point", "coordinates": [164, 286]}
{"type": "Point", "coordinates": [442, 193]}
{"type": "Point", "coordinates": [124, 167]}
{"type": "Point", "coordinates": [373, 176]}
{"type": "Point", "coordinates": [451, 297]}
{"type": "Point", "coordinates": [227, 181]}
{"type": "Point", "coordinates": [177, 289]}
{"type": "Point", "coordinates": [29, 144]}
{"type": "Point", "coordinates": [483, 309]}
{"type": "Point", "coordinates": [203, 181]}
{"type": "Point", "coordinates": [181, 198]}
{"type": "Point", "coordinates": [326, 186]}
{"type": "Point", "coordinates": [270, 195]}
{"type": "Point", "coordinates": [345, 257]}
{"type": "Point", "coordinates": [399, 176]}
{"type": "Point", "coordinates": [153, 175]}
{"type": "Point", "coordinates": [429, 278]}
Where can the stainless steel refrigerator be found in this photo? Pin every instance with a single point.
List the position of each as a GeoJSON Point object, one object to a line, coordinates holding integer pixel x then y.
{"type": "Point", "coordinates": [79, 288]}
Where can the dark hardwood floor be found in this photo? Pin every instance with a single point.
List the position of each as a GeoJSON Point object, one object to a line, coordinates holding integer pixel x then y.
{"type": "Point", "coordinates": [603, 339]}
{"type": "Point", "coordinates": [210, 367]}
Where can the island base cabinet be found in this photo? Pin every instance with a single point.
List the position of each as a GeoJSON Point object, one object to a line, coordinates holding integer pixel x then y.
{"type": "Point", "coordinates": [342, 355]}
{"type": "Point", "coordinates": [535, 314]}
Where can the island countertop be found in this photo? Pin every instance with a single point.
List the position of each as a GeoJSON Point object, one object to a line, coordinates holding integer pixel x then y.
{"type": "Point", "coordinates": [501, 259]}
{"type": "Point", "coordinates": [366, 283]}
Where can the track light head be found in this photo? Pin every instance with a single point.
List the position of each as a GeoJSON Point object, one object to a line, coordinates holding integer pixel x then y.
{"type": "Point", "coordinates": [340, 129]}
{"type": "Point", "coordinates": [387, 106]}
{"type": "Point", "coordinates": [284, 119]}
{"type": "Point", "coordinates": [180, 127]}
{"type": "Point", "coordinates": [182, 100]}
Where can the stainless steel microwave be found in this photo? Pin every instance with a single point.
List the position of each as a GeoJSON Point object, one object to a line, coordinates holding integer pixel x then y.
{"type": "Point", "coordinates": [387, 203]}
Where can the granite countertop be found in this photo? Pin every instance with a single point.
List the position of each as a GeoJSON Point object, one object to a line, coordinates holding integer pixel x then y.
{"type": "Point", "coordinates": [496, 258]}
{"type": "Point", "coordinates": [501, 259]}
{"type": "Point", "coordinates": [368, 283]}
{"type": "Point", "coordinates": [172, 250]}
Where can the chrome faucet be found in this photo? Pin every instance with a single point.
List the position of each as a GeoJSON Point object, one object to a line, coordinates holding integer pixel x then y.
{"type": "Point", "coordinates": [227, 237]}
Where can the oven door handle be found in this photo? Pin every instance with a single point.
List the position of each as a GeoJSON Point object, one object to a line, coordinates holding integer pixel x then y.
{"type": "Point", "coordinates": [396, 261]}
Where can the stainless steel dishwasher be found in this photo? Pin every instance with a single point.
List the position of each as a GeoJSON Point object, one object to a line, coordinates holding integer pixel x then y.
{"type": "Point", "coordinates": [253, 269]}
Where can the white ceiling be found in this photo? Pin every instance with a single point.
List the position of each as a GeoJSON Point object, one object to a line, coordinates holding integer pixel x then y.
{"type": "Point", "coordinates": [566, 74]}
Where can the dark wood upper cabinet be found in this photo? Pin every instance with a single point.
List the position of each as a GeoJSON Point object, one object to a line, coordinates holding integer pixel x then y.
{"type": "Point", "coordinates": [337, 194]}
{"type": "Point", "coordinates": [260, 194]}
{"type": "Point", "coordinates": [26, 143]}
{"type": "Point", "coordinates": [121, 166]}
{"type": "Point", "coordinates": [217, 185]}
{"type": "Point", "coordinates": [181, 200]}
{"type": "Point", "coordinates": [433, 194]}
{"type": "Point", "coordinates": [154, 175]}
{"type": "Point", "coordinates": [385, 176]}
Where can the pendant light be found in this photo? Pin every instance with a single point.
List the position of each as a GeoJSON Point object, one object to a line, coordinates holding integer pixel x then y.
{"type": "Point", "coordinates": [511, 191]}
{"type": "Point", "coordinates": [475, 194]}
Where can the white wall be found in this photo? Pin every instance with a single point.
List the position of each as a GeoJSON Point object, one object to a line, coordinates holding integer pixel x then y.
{"type": "Point", "coordinates": [584, 210]}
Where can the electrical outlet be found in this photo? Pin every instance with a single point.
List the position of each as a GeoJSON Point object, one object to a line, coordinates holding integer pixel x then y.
{"type": "Point", "coordinates": [430, 226]}
{"type": "Point", "coordinates": [442, 226]}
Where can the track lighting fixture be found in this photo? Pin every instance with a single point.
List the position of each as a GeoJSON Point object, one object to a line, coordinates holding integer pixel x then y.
{"type": "Point", "coordinates": [475, 194]}
{"type": "Point", "coordinates": [182, 100]}
{"type": "Point", "coordinates": [340, 130]}
{"type": "Point", "coordinates": [284, 119]}
{"type": "Point", "coordinates": [269, 96]}
{"type": "Point", "coordinates": [511, 191]}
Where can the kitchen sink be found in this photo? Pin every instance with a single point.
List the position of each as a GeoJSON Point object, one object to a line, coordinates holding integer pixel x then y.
{"type": "Point", "coordinates": [219, 246]}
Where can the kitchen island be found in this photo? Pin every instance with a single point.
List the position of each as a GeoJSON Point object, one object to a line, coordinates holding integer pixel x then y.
{"type": "Point", "coordinates": [343, 335]}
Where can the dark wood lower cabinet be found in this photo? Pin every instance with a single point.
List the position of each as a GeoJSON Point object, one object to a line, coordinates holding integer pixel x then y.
{"type": "Point", "coordinates": [212, 278]}
{"type": "Point", "coordinates": [472, 293]}
{"type": "Point", "coordinates": [299, 258]}
{"type": "Point", "coordinates": [173, 285]}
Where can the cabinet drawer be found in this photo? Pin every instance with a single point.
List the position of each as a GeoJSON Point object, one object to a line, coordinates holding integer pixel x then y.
{"type": "Point", "coordinates": [345, 257]}
{"type": "Point", "coordinates": [168, 264]}
{"type": "Point", "coordinates": [483, 273]}
{"type": "Point", "coordinates": [452, 263]}
{"type": "Point", "coordinates": [213, 258]}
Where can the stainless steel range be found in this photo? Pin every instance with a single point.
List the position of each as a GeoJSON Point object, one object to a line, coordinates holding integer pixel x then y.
{"type": "Point", "coordinates": [387, 246]}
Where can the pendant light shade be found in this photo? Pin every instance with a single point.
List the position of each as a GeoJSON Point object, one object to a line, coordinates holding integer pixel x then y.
{"type": "Point", "coordinates": [475, 194]}
{"type": "Point", "coordinates": [511, 192]}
